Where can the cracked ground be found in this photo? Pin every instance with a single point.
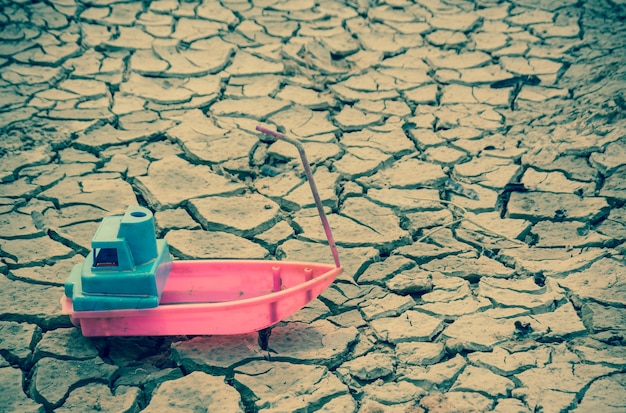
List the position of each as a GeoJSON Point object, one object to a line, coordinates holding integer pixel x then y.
{"type": "Point", "coordinates": [471, 156]}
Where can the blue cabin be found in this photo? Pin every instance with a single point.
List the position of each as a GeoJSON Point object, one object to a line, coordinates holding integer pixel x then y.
{"type": "Point", "coordinates": [127, 267]}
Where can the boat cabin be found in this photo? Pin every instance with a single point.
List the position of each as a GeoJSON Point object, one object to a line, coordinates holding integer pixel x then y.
{"type": "Point", "coordinates": [127, 267]}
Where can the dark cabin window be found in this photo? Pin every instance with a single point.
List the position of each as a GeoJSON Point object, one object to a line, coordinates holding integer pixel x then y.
{"type": "Point", "coordinates": [105, 257]}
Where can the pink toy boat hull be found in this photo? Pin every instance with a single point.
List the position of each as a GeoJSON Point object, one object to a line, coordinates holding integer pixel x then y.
{"type": "Point", "coordinates": [215, 298]}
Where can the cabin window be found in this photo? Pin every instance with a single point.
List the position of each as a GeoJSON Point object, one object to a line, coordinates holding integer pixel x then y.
{"type": "Point", "coordinates": [105, 257]}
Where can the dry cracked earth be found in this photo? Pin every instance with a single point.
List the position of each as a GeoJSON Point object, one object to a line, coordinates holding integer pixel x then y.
{"type": "Point", "coordinates": [471, 156]}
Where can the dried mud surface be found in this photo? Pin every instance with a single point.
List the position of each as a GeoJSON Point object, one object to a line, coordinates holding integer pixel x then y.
{"type": "Point", "coordinates": [471, 156]}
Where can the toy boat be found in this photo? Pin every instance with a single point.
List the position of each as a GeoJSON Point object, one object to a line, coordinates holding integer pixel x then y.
{"type": "Point", "coordinates": [129, 285]}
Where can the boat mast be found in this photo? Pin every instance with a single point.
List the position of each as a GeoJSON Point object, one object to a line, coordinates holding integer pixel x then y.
{"type": "Point", "coordinates": [316, 196]}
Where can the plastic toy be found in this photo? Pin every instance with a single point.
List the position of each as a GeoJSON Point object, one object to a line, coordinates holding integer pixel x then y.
{"type": "Point", "coordinates": [129, 285]}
